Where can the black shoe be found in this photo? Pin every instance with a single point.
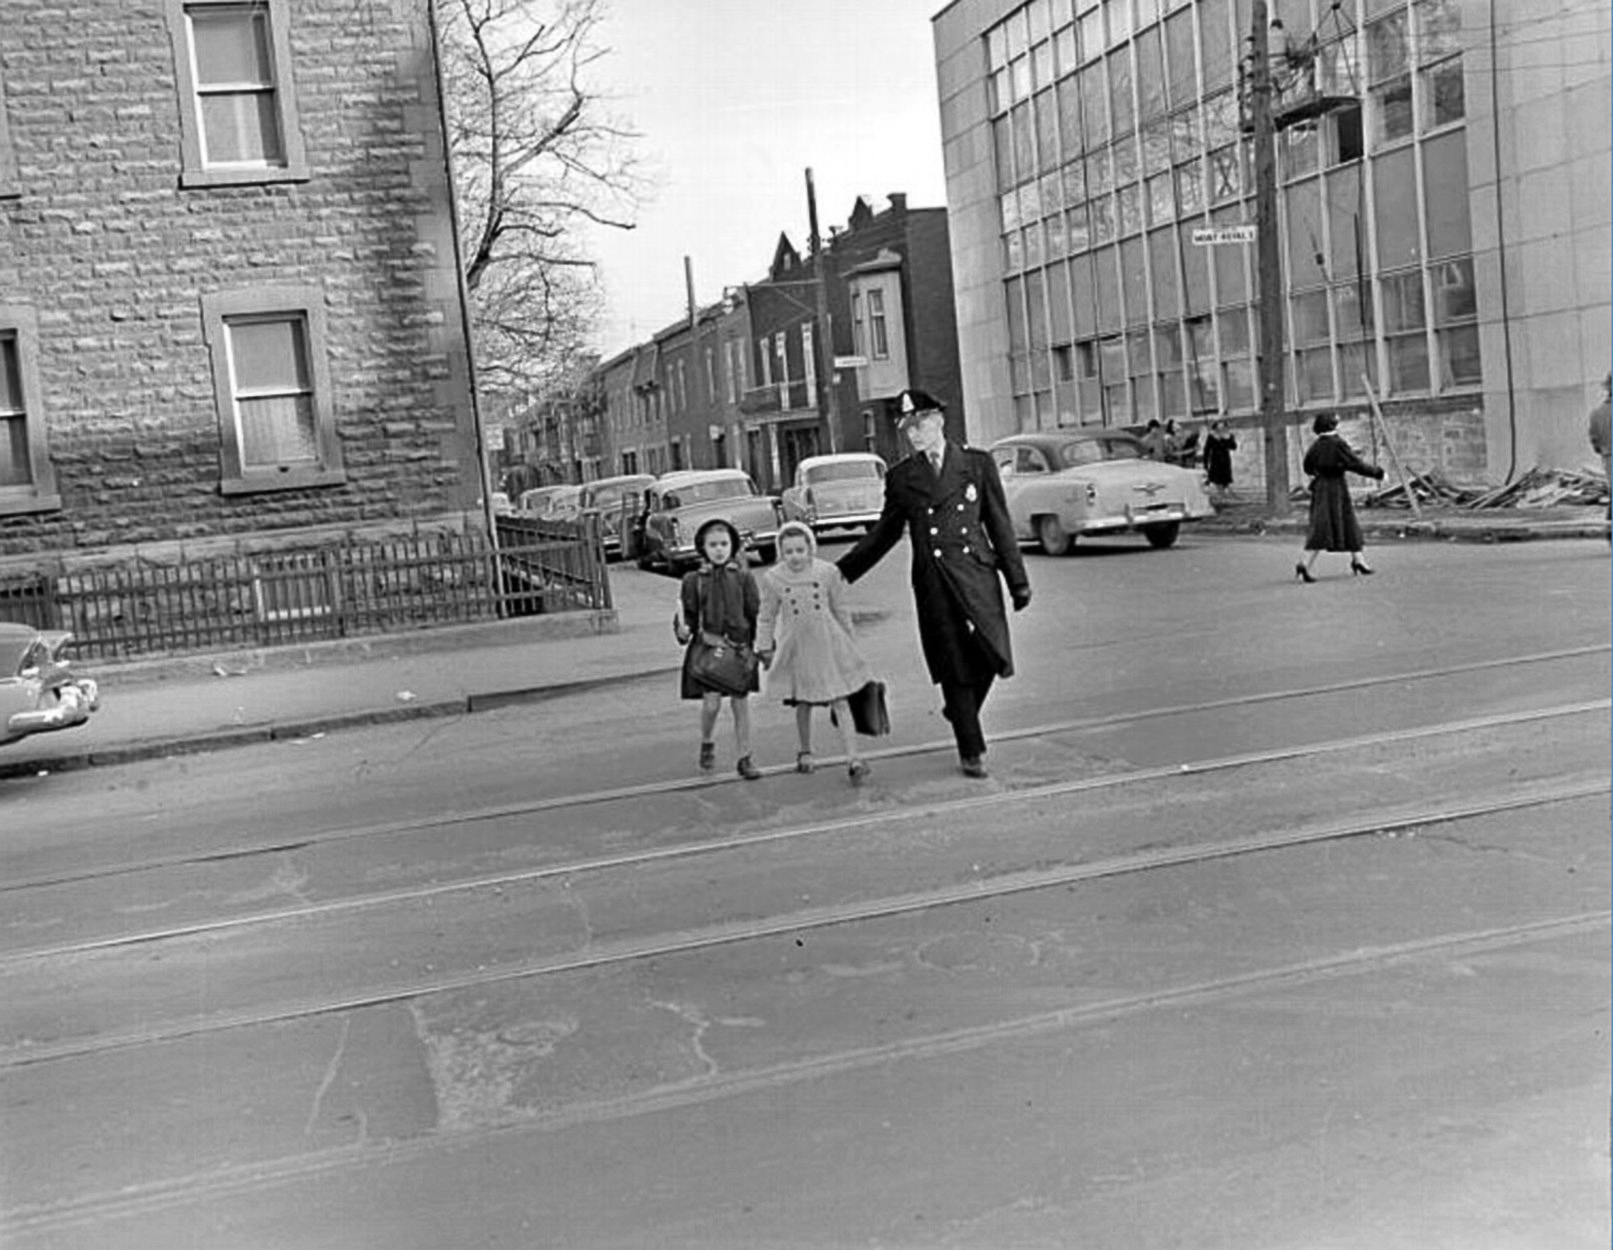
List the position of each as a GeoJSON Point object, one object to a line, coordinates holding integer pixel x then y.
{"type": "Point", "coordinates": [1303, 573]}
{"type": "Point", "coordinates": [1357, 569]}
{"type": "Point", "coordinates": [708, 756]}
{"type": "Point", "coordinates": [973, 766]}
{"type": "Point", "coordinates": [857, 770]}
{"type": "Point", "coordinates": [746, 769]}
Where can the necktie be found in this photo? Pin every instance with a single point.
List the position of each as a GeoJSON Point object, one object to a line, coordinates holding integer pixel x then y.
{"type": "Point", "coordinates": [935, 462]}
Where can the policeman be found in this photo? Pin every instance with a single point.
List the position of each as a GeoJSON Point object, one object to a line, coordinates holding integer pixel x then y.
{"type": "Point", "coordinates": [950, 500]}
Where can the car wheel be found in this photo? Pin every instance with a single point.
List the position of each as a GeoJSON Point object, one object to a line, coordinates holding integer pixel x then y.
{"type": "Point", "coordinates": [1050, 532]}
{"type": "Point", "coordinates": [1162, 536]}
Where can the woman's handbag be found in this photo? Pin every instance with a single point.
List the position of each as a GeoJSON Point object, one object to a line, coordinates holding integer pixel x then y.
{"type": "Point", "coordinates": [721, 665]}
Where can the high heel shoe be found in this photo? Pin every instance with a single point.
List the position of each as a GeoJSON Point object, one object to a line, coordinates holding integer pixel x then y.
{"type": "Point", "coordinates": [1302, 573]}
{"type": "Point", "coordinates": [1357, 569]}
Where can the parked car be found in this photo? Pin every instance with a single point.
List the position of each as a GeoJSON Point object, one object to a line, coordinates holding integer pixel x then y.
{"type": "Point", "coordinates": [502, 505]}
{"type": "Point", "coordinates": [618, 502]}
{"type": "Point", "coordinates": [38, 692]}
{"type": "Point", "coordinates": [1065, 483]}
{"type": "Point", "coordinates": [835, 492]}
{"type": "Point", "coordinates": [535, 502]}
{"type": "Point", "coordinates": [564, 504]}
{"type": "Point", "coordinates": [677, 504]}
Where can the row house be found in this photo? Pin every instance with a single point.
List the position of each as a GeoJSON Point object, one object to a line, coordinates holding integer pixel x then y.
{"type": "Point", "coordinates": [760, 382]}
{"type": "Point", "coordinates": [229, 295]}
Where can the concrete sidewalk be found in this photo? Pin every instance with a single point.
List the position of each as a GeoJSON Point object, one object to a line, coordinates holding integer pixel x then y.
{"type": "Point", "coordinates": [173, 706]}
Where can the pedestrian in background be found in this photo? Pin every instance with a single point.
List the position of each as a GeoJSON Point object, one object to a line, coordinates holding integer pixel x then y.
{"type": "Point", "coordinates": [949, 500]}
{"type": "Point", "coordinates": [1219, 444]}
{"type": "Point", "coordinates": [805, 637]}
{"type": "Point", "coordinates": [1333, 524]}
{"type": "Point", "coordinates": [719, 599]}
{"type": "Point", "coordinates": [1601, 432]}
{"type": "Point", "coordinates": [1153, 438]}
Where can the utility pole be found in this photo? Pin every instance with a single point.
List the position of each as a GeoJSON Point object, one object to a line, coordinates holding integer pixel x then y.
{"type": "Point", "coordinates": [1269, 264]}
{"type": "Point", "coordinates": [821, 339]}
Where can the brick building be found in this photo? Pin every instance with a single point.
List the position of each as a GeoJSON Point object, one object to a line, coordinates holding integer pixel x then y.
{"type": "Point", "coordinates": [229, 297]}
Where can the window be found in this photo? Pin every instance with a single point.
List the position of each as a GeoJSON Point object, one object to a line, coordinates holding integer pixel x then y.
{"type": "Point", "coordinates": [809, 361]}
{"type": "Point", "coordinates": [272, 389]}
{"type": "Point", "coordinates": [1405, 325]}
{"type": "Point", "coordinates": [765, 346]}
{"type": "Point", "coordinates": [711, 376]}
{"type": "Point", "coordinates": [1439, 62]}
{"type": "Point", "coordinates": [857, 324]}
{"type": "Point", "coordinates": [1456, 321]}
{"type": "Point", "coordinates": [239, 120]}
{"type": "Point", "coordinates": [9, 184]}
{"type": "Point", "coordinates": [27, 478]}
{"type": "Point", "coordinates": [1313, 355]}
{"type": "Point", "coordinates": [1388, 66]}
{"type": "Point", "coordinates": [876, 325]}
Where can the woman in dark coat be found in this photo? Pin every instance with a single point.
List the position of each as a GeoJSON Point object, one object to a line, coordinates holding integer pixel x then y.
{"type": "Point", "coordinates": [1219, 445]}
{"type": "Point", "coordinates": [1333, 523]}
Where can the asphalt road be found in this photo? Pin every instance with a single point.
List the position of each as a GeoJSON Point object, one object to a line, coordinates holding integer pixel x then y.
{"type": "Point", "coordinates": [1281, 922]}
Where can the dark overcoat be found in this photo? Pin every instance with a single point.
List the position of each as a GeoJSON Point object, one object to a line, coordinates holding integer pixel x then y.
{"type": "Point", "coordinates": [724, 601]}
{"type": "Point", "coordinates": [1218, 449]}
{"type": "Point", "coordinates": [962, 539]}
{"type": "Point", "coordinates": [1333, 523]}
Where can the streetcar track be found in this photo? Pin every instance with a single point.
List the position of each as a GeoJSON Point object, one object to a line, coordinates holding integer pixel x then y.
{"type": "Point", "coordinates": [794, 923]}
{"type": "Point", "coordinates": [790, 833]}
{"type": "Point", "coordinates": [234, 1180]}
{"type": "Point", "coordinates": [673, 785]}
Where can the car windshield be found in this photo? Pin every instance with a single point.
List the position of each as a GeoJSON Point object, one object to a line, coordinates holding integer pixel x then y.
{"type": "Point", "coordinates": [12, 653]}
{"type": "Point", "coordinates": [846, 470]}
{"type": "Point", "coordinates": [715, 488]}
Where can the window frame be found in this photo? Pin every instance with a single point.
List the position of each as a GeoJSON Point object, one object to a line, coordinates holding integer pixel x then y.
{"type": "Point", "coordinates": [21, 322]}
{"type": "Point", "coordinates": [194, 171]}
{"type": "Point", "coordinates": [10, 180]}
{"type": "Point", "coordinates": [308, 303]}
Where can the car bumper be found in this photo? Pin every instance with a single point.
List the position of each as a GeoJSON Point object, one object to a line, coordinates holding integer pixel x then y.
{"type": "Point", "coordinates": [75, 701]}
{"type": "Point", "coordinates": [843, 520]}
{"type": "Point", "coordinates": [1135, 518]}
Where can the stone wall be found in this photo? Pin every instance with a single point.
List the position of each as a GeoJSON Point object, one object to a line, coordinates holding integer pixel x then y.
{"type": "Point", "coordinates": [115, 257]}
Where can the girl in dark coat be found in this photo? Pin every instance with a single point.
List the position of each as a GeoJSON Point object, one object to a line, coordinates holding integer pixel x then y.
{"type": "Point", "coordinates": [1333, 523]}
{"type": "Point", "coordinates": [722, 598]}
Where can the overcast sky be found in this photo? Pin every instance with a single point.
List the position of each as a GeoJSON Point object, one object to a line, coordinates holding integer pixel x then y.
{"type": "Point", "coordinates": [735, 99]}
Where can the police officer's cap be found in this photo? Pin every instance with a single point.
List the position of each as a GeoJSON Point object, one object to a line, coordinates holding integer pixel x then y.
{"type": "Point", "coordinates": [915, 406]}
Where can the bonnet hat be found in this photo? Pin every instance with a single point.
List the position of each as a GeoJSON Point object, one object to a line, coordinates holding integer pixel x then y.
{"type": "Point", "coordinates": [801, 528]}
{"type": "Point", "coordinates": [736, 544]}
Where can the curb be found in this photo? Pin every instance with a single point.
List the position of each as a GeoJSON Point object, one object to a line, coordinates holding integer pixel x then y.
{"type": "Point", "coordinates": [292, 730]}
{"type": "Point", "coordinates": [1447, 530]}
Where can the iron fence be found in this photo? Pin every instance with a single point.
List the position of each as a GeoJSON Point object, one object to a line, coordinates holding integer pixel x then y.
{"type": "Point", "coordinates": [351, 589]}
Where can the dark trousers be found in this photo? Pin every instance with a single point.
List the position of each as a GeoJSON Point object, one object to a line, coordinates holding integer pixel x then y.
{"type": "Point", "coordinates": [962, 708]}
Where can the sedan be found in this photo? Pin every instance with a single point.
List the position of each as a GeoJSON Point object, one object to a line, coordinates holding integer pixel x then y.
{"type": "Point", "coordinates": [834, 492]}
{"type": "Point", "coordinates": [1065, 483]}
{"type": "Point", "coordinates": [38, 692]}
{"type": "Point", "coordinates": [679, 503]}
{"type": "Point", "coordinates": [616, 502]}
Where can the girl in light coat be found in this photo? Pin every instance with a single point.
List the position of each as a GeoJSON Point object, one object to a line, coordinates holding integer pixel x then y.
{"type": "Point", "coordinates": [804, 634]}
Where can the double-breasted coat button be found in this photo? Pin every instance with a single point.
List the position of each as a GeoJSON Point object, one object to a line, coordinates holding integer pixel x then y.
{"type": "Point", "coordinates": [938, 553]}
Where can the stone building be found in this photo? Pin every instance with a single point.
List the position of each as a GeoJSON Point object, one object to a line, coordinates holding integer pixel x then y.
{"type": "Point", "coordinates": [229, 298]}
{"type": "Point", "coordinates": [1443, 216]}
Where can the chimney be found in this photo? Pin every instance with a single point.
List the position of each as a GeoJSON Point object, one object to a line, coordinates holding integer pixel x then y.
{"type": "Point", "coordinates": [898, 201]}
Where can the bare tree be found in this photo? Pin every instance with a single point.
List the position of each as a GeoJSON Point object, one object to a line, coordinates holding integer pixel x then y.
{"type": "Point", "coordinates": [538, 159]}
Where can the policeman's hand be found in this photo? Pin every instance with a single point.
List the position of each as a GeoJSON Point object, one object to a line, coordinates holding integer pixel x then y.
{"type": "Point", "coordinates": [1022, 599]}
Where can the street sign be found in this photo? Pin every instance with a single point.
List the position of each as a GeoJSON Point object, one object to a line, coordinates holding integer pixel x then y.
{"type": "Point", "coordinates": [1210, 236]}
{"type": "Point", "coordinates": [851, 362]}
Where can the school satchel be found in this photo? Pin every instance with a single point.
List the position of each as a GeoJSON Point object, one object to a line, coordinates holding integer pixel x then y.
{"type": "Point", "coordinates": [721, 665]}
{"type": "Point", "coordinates": [869, 715]}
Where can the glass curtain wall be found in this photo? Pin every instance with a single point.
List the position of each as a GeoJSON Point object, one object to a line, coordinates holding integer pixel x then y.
{"type": "Point", "coordinates": [1117, 132]}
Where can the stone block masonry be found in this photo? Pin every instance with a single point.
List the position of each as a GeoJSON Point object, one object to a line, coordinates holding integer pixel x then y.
{"type": "Point", "coordinates": [114, 258]}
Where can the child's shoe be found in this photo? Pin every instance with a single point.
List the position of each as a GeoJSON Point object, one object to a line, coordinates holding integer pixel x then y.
{"type": "Point", "coordinates": [747, 770]}
{"type": "Point", "coordinates": [857, 770]}
{"type": "Point", "coordinates": [804, 762]}
{"type": "Point", "coordinates": [708, 756]}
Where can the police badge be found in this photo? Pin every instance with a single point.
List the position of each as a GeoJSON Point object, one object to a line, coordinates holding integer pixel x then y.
{"type": "Point", "coordinates": [970, 493]}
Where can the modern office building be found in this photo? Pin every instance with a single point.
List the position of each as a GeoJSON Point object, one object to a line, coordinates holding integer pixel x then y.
{"type": "Point", "coordinates": [1444, 170]}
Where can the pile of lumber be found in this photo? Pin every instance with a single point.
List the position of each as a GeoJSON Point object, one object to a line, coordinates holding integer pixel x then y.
{"type": "Point", "coordinates": [1430, 488]}
{"type": "Point", "coordinates": [1545, 488]}
{"type": "Point", "coordinates": [1538, 488]}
